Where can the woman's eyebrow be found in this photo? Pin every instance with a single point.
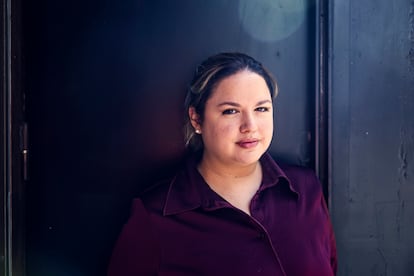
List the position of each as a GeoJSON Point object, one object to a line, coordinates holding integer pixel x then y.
{"type": "Point", "coordinates": [229, 103]}
{"type": "Point", "coordinates": [238, 105]}
{"type": "Point", "coordinates": [264, 102]}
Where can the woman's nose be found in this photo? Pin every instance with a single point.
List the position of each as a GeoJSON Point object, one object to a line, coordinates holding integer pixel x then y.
{"type": "Point", "coordinates": [248, 123]}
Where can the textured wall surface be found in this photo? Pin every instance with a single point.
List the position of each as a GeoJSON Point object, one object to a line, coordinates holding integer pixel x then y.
{"type": "Point", "coordinates": [373, 136]}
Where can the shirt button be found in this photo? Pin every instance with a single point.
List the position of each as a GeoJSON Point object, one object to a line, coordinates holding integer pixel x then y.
{"type": "Point", "coordinates": [262, 235]}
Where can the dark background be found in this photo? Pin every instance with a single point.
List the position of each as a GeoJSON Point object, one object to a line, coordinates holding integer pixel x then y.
{"type": "Point", "coordinates": [101, 85]}
{"type": "Point", "coordinates": [105, 86]}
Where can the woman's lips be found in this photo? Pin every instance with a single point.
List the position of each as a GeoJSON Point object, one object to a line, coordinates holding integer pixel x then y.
{"type": "Point", "coordinates": [247, 144]}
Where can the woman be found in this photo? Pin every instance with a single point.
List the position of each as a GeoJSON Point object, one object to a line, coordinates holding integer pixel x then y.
{"type": "Point", "coordinates": [231, 210]}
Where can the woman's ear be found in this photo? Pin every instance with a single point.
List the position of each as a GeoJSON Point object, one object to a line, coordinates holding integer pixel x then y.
{"type": "Point", "coordinates": [194, 118]}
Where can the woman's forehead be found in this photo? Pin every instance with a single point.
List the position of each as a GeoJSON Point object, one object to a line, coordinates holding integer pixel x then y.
{"type": "Point", "coordinates": [242, 85]}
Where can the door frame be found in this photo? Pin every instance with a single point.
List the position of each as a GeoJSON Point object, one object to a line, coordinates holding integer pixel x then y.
{"type": "Point", "coordinates": [323, 140]}
{"type": "Point", "coordinates": [13, 142]}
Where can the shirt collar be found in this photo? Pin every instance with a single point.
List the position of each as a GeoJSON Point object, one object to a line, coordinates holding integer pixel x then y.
{"type": "Point", "coordinates": [188, 190]}
{"type": "Point", "coordinates": [273, 175]}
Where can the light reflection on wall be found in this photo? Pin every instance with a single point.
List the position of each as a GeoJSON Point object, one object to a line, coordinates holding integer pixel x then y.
{"type": "Point", "coordinates": [271, 20]}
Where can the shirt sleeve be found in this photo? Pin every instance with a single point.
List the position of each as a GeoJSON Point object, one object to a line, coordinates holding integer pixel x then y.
{"type": "Point", "coordinates": [137, 251]}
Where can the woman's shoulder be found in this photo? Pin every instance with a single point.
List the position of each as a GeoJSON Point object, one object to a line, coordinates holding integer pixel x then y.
{"type": "Point", "coordinates": [302, 179]}
{"type": "Point", "coordinates": [292, 172]}
{"type": "Point", "coordinates": [153, 198]}
{"type": "Point", "coordinates": [297, 171]}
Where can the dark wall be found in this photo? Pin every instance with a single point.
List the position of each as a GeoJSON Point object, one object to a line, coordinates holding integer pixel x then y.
{"type": "Point", "coordinates": [105, 83]}
{"type": "Point", "coordinates": [373, 136]}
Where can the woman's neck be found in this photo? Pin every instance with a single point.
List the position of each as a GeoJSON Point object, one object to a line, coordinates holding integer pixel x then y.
{"type": "Point", "coordinates": [236, 184]}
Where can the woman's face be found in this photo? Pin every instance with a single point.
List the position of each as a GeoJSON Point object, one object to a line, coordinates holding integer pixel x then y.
{"type": "Point", "coordinates": [238, 120]}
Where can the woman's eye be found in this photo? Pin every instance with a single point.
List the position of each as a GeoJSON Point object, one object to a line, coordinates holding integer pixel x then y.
{"type": "Point", "coordinates": [229, 111]}
{"type": "Point", "coordinates": [262, 109]}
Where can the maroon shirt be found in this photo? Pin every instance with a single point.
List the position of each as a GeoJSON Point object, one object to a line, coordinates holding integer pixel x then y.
{"type": "Point", "coordinates": [184, 228]}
